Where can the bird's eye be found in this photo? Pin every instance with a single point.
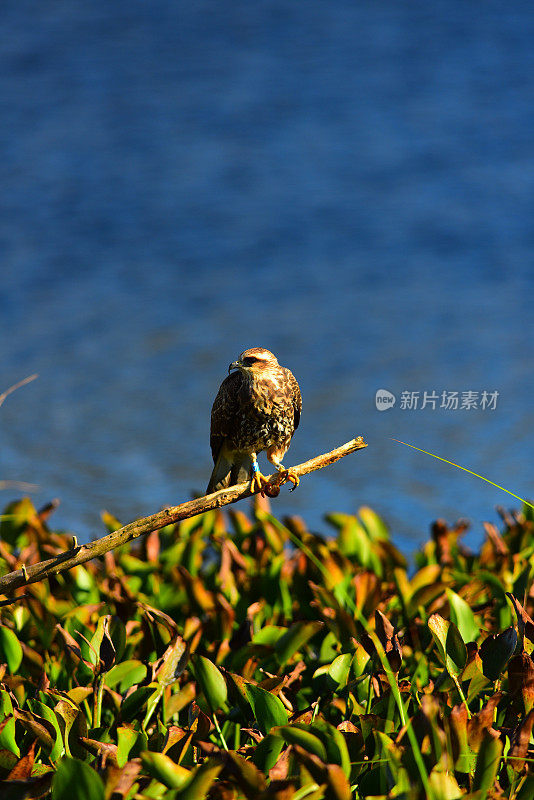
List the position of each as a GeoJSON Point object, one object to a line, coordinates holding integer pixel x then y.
{"type": "Point", "coordinates": [249, 360]}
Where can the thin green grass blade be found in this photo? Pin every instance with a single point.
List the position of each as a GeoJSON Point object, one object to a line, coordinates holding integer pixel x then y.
{"type": "Point", "coordinates": [482, 478]}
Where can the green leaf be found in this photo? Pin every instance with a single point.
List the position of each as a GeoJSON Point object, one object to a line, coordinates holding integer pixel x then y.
{"type": "Point", "coordinates": [102, 648]}
{"type": "Point", "coordinates": [300, 734]}
{"type": "Point", "coordinates": [7, 760]}
{"type": "Point", "coordinates": [376, 782]}
{"type": "Point", "coordinates": [126, 674]}
{"type": "Point", "coordinates": [443, 785]}
{"type": "Point", "coordinates": [350, 536]}
{"type": "Point", "coordinates": [164, 769]}
{"type": "Point", "coordinates": [135, 702]}
{"type": "Point", "coordinates": [10, 649]}
{"type": "Point", "coordinates": [7, 728]}
{"type": "Point", "coordinates": [126, 738]}
{"type": "Point", "coordinates": [360, 545]}
{"type": "Point", "coordinates": [266, 753]}
{"type": "Point", "coordinates": [268, 709]}
{"type": "Point", "coordinates": [496, 651]}
{"type": "Point", "coordinates": [15, 520]}
{"type": "Point", "coordinates": [200, 783]}
{"type": "Point", "coordinates": [152, 703]}
{"type": "Point", "coordinates": [269, 635]}
{"type": "Point", "coordinates": [338, 671]}
{"type": "Point", "coordinates": [211, 682]}
{"type": "Point", "coordinates": [83, 579]}
{"type": "Point", "coordinates": [46, 713]}
{"type": "Point", "coordinates": [335, 744]}
{"type": "Point", "coordinates": [375, 525]}
{"type": "Point", "coordinates": [72, 724]}
{"type": "Point", "coordinates": [297, 635]}
{"type": "Point", "coordinates": [451, 646]}
{"type": "Point", "coordinates": [328, 650]}
{"type": "Point", "coordinates": [117, 631]}
{"type": "Point", "coordinates": [75, 780]}
{"type": "Point", "coordinates": [463, 617]}
{"type": "Point", "coordinates": [489, 756]}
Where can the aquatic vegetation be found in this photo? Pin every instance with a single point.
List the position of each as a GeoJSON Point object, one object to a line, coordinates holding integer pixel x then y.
{"type": "Point", "coordinates": [235, 655]}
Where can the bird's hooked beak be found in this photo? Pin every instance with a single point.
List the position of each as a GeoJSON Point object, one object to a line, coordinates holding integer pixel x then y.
{"type": "Point", "coordinates": [234, 365]}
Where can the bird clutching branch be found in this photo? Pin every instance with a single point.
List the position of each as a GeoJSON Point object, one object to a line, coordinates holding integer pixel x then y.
{"type": "Point", "coordinates": [257, 408]}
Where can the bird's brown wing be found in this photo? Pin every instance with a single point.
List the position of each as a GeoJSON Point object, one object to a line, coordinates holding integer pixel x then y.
{"type": "Point", "coordinates": [224, 411]}
{"type": "Point", "coordinates": [296, 398]}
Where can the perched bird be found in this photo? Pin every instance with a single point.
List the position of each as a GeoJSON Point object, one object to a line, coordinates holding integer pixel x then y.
{"type": "Point", "coordinates": [257, 408]}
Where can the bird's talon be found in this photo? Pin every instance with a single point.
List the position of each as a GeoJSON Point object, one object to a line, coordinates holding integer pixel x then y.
{"type": "Point", "coordinates": [286, 475]}
{"type": "Point", "coordinates": [259, 482]}
{"type": "Point", "coordinates": [295, 480]}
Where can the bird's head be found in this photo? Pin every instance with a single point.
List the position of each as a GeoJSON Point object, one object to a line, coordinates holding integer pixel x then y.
{"type": "Point", "coordinates": [254, 360]}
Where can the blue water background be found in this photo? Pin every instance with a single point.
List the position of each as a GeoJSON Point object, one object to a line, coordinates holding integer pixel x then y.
{"type": "Point", "coordinates": [350, 184]}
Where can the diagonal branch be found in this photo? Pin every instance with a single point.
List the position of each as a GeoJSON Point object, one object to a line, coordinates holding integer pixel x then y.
{"type": "Point", "coordinates": [85, 552]}
{"type": "Point", "coordinates": [16, 386]}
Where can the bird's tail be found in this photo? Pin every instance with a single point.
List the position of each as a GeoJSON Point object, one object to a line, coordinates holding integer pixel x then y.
{"type": "Point", "coordinates": [227, 472]}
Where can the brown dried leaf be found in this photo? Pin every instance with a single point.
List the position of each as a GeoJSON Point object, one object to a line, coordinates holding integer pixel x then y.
{"type": "Point", "coordinates": [338, 783]}
{"type": "Point", "coordinates": [227, 617]}
{"type": "Point", "coordinates": [280, 770]}
{"type": "Point", "coordinates": [44, 682]}
{"type": "Point", "coordinates": [177, 743]}
{"type": "Point", "coordinates": [295, 673]}
{"type": "Point", "coordinates": [481, 722]}
{"type": "Point", "coordinates": [226, 576]}
{"type": "Point", "coordinates": [440, 534]}
{"type": "Point", "coordinates": [197, 592]}
{"type": "Point", "coordinates": [519, 743]}
{"type": "Point", "coordinates": [223, 790]}
{"type": "Point", "coordinates": [500, 547]}
{"type": "Point", "coordinates": [201, 724]}
{"type": "Point", "coordinates": [525, 623]}
{"type": "Point", "coordinates": [458, 723]}
{"type": "Point", "coordinates": [155, 615]}
{"type": "Point", "coordinates": [208, 748]}
{"type": "Point", "coordinates": [23, 768]}
{"type": "Point", "coordinates": [389, 640]}
{"type": "Point", "coordinates": [169, 667]}
{"type": "Point", "coordinates": [315, 766]}
{"type": "Point", "coordinates": [367, 587]}
{"type": "Point", "coordinates": [521, 678]}
{"type": "Point", "coordinates": [106, 750]}
{"type": "Point", "coordinates": [119, 781]}
{"type": "Point", "coordinates": [72, 647]}
{"type": "Point", "coordinates": [41, 728]}
{"type": "Point", "coordinates": [152, 547]}
{"type": "Point", "coordinates": [246, 774]}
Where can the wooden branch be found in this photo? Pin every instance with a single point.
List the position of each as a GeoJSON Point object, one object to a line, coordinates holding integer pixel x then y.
{"type": "Point", "coordinates": [85, 552]}
{"type": "Point", "coordinates": [16, 386]}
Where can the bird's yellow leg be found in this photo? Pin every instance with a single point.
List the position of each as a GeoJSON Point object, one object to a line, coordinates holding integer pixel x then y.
{"type": "Point", "coordinates": [259, 481]}
{"type": "Point", "coordinates": [286, 475]}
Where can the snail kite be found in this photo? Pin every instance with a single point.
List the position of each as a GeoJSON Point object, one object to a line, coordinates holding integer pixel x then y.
{"type": "Point", "coordinates": [257, 408]}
